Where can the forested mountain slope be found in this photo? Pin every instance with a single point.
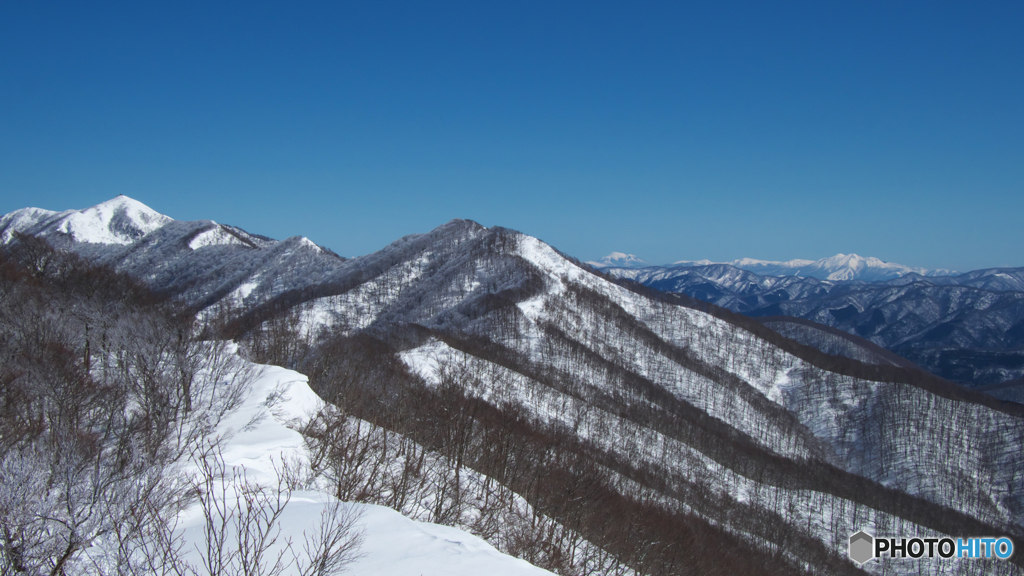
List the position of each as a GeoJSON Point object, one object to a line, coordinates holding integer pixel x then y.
{"type": "Point", "coordinates": [131, 447]}
{"type": "Point", "coordinates": [657, 435]}
{"type": "Point", "coordinates": [722, 418]}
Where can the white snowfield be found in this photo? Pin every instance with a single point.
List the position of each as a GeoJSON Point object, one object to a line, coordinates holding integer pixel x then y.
{"type": "Point", "coordinates": [261, 434]}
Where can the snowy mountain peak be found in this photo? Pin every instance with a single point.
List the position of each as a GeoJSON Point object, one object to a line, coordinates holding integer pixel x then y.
{"type": "Point", "coordinates": [120, 220]}
{"type": "Point", "coordinates": [851, 266]}
{"type": "Point", "coordinates": [304, 242]}
{"type": "Point", "coordinates": [620, 260]}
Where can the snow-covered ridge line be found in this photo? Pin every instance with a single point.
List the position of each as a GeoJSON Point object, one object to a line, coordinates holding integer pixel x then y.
{"type": "Point", "coordinates": [262, 434]}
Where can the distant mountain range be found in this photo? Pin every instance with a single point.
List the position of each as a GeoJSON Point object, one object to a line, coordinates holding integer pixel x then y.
{"type": "Point", "coordinates": [965, 327]}
{"type": "Point", "coordinates": [840, 267]}
{"type": "Point", "coordinates": [968, 328]}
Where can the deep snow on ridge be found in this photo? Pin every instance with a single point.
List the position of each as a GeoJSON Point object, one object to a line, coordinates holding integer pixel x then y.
{"type": "Point", "coordinates": [261, 434]}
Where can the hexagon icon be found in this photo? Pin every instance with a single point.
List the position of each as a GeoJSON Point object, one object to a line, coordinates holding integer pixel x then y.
{"type": "Point", "coordinates": [862, 547]}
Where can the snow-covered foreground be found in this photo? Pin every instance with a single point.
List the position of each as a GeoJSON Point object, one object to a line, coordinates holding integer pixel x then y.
{"type": "Point", "coordinates": [261, 435]}
{"type": "Point", "coordinates": [395, 545]}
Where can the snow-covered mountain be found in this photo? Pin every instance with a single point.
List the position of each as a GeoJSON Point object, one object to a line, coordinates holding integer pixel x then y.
{"type": "Point", "coordinates": [838, 268]}
{"type": "Point", "coordinates": [646, 433]}
{"type": "Point", "coordinates": [121, 221]}
{"type": "Point", "coordinates": [620, 260]}
{"type": "Point", "coordinates": [200, 262]}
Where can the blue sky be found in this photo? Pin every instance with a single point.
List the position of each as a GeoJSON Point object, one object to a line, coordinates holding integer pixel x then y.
{"type": "Point", "coordinates": [673, 130]}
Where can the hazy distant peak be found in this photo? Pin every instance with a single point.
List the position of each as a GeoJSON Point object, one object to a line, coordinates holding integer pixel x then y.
{"type": "Point", "coordinates": [620, 260]}
{"type": "Point", "coordinates": [754, 262]}
{"type": "Point", "coordinates": [838, 268]}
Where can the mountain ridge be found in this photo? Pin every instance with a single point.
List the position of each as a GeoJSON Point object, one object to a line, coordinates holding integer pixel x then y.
{"type": "Point", "coordinates": [837, 268]}
{"type": "Point", "coordinates": [682, 407]}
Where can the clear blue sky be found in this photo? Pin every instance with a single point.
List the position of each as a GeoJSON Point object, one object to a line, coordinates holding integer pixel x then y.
{"type": "Point", "coordinates": [671, 130]}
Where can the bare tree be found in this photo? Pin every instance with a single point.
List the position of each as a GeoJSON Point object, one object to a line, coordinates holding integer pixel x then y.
{"type": "Point", "coordinates": [242, 524]}
{"type": "Point", "coordinates": [106, 391]}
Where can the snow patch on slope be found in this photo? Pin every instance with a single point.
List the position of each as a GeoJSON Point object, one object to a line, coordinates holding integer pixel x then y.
{"type": "Point", "coordinates": [359, 307]}
{"type": "Point", "coordinates": [306, 242]}
{"type": "Point", "coordinates": [216, 236]}
{"type": "Point", "coordinates": [397, 546]}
